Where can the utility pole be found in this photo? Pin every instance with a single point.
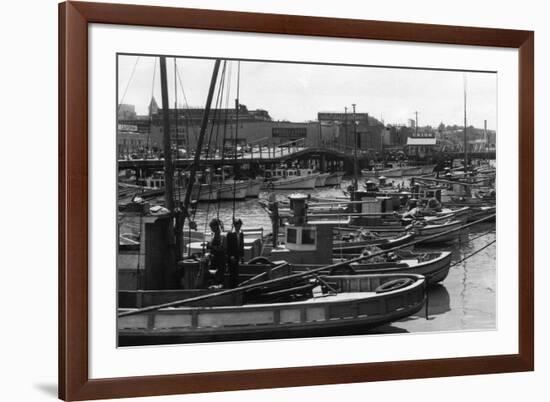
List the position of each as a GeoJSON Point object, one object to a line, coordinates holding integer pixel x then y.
{"type": "Point", "coordinates": [346, 126]}
{"type": "Point", "coordinates": [485, 137]}
{"type": "Point", "coordinates": [416, 124]}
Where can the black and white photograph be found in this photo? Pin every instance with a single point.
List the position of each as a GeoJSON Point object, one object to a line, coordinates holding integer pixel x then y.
{"type": "Point", "coordinates": [268, 199]}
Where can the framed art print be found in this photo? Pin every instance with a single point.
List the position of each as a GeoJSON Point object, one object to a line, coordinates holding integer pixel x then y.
{"type": "Point", "coordinates": [260, 200]}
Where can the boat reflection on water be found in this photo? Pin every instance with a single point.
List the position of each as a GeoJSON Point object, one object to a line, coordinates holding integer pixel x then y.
{"type": "Point", "coordinates": [438, 303]}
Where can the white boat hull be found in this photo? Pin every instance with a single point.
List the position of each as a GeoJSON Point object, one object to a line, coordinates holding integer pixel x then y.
{"type": "Point", "coordinates": [294, 183]}
{"type": "Point", "coordinates": [254, 187]}
{"type": "Point", "coordinates": [356, 306]}
{"type": "Point", "coordinates": [334, 179]}
{"type": "Point", "coordinates": [230, 191]}
{"type": "Point", "coordinates": [321, 179]}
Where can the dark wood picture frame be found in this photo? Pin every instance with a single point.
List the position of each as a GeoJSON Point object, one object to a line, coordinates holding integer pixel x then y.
{"type": "Point", "coordinates": [74, 382]}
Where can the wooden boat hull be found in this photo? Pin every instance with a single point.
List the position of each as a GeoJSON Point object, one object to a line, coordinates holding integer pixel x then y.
{"type": "Point", "coordinates": [358, 308]}
{"type": "Point", "coordinates": [321, 179]}
{"type": "Point", "coordinates": [435, 270]}
{"type": "Point", "coordinates": [397, 172]}
{"type": "Point", "coordinates": [205, 193]}
{"type": "Point", "coordinates": [334, 179]}
{"type": "Point", "coordinates": [294, 183]}
{"type": "Point", "coordinates": [383, 243]}
{"type": "Point", "coordinates": [412, 171]}
{"type": "Point", "coordinates": [254, 187]}
{"type": "Point", "coordinates": [230, 191]}
{"type": "Point", "coordinates": [433, 229]}
{"type": "Point", "coordinates": [427, 169]}
{"type": "Point", "coordinates": [482, 212]}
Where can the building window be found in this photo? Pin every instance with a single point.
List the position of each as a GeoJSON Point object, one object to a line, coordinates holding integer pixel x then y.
{"type": "Point", "coordinates": [291, 235]}
{"type": "Point", "coordinates": [308, 236]}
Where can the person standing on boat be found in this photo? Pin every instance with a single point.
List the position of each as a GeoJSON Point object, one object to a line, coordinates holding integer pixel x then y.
{"type": "Point", "coordinates": [218, 247]}
{"type": "Point", "coordinates": [273, 207]}
{"type": "Point", "coordinates": [235, 253]}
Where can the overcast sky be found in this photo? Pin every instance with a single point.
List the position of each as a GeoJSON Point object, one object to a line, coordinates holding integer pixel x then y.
{"type": "Point", "coordinates": [296, 92]}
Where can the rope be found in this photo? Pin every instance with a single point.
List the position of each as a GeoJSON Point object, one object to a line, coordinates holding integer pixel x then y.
{"type": "Point", "coordinates": [186, 107]}
{"type": "Point", "coordinates": [474, 253]}
{"type": "Point", "coordinates": [128, 83]}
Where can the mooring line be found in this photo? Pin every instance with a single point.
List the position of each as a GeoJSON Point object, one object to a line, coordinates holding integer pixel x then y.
{"type": "Point", "coordinates": [474, 253]}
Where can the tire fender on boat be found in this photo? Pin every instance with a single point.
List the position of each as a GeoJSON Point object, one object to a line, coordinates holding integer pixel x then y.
{"type": "Point", "coordinates": [260, 260]}
{"type": "Point", "coordinates": [394, 285]}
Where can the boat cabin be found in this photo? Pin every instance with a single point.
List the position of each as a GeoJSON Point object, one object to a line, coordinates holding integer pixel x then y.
{"type": "Point", "coordinates": [305, 242]}
{"type": "Point", "coordinates": [284, 173]}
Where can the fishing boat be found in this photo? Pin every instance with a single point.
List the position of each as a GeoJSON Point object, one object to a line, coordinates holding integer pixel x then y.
{"type": "Point", "coordinates": [290, 179]}
{"type": "Point", "coordinates": [321, 179]}
{"type": "Point", "coordinates": [355, 242]}
{"type": "Point", "coordinates": [355, 303]}
{"type": "Point", "coordinates": [126, 192]}
{"type": "Point", "coordinates": [254, 188]}
{"type": "Point", "coordinates": [229, 190]}
{"type": "Point", "coordinates": [433, 265]}
{"type": "Point", "coordinates": [427, 169]}
{"type": "Point", "coordinates": [395, 169]}
{"type": "Point", "coordinates": [203, 192]}
{"type": "Point", "coordinates": [480, 212]}
{"type": "Point", "coordinates": [423, 229]}
{"type": "Point", "coordinates": [334, 179]}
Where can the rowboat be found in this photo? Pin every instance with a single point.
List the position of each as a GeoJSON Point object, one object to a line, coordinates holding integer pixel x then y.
{"type": "Point", "coordinates": [481, 212]}
{"type": "Point", "coordinates": [424, 229]}
{"type": "Point", "coordinates": [357, 304]}
{"type": "Point", "coordinates": [342, 246]}
{"type": "Point", "coordinates": [434, 266]}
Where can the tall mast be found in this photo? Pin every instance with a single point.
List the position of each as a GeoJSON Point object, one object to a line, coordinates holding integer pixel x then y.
{"type": "Point", "coordinates": [168, 167]}
{"type": "Point", "coordinates": [200, 140]}
{"type": "Point", "coordinates": [354, 149]}
{"type": "Point", "coordinates": [465, 129]}
{"type": "Point", "coordinates": [236, 135]}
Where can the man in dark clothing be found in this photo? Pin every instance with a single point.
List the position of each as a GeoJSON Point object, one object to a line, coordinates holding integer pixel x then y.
{"type": "Point", "coordinates": [218, 247]}
{"type": "Point", "coordinates": [235, 253]}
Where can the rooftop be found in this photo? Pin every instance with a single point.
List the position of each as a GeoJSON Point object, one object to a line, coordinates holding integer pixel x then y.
{"type": "Point", "coordinates": [421, 141]}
